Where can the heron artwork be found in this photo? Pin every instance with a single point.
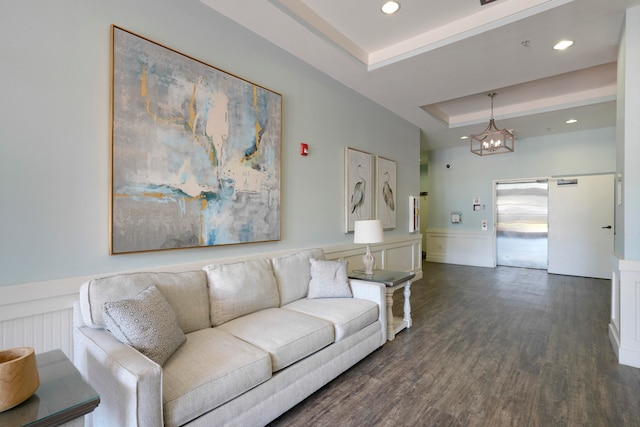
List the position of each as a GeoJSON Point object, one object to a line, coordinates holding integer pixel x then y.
{"type": "Point", "coordinates": [387, 193]}
{"type": "Point", "coordinates": [358, 195]}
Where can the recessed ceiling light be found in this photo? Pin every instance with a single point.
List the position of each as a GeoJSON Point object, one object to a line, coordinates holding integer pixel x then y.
{"type": "Point", "coordinates": [571, 121]}
{"type": "Point", "coordinates": [390, 7]}
{"type": "Point", "coordinates": [563, 44]}
{"type": "Point", "coordinates": [464, 137]}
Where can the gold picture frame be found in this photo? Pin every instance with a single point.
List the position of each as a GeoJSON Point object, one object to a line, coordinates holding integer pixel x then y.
{"type": "Point", "coordinates": [196, 152]}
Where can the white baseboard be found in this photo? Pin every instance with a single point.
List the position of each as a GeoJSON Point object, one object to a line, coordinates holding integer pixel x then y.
{"type": "Point", "coordinates": [626, 356]}
{"type": "Point", "coordinates": [629, 357]}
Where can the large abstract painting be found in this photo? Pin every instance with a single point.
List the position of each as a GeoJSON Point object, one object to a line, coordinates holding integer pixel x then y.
{"type": "Point", "coordinates": [358, 187]}
{"type": "Point", "coordinates": [196, 152]}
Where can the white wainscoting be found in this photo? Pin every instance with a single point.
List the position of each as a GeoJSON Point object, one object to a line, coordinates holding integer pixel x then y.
{"type": "Point", "coordinates": [475, 248]}
{"type": "Point", "coordinates": [394, 254]}
{"type": "Point", "coordinates": [624, 328]}
{"type": "Point", "coordinates": [39, 314]}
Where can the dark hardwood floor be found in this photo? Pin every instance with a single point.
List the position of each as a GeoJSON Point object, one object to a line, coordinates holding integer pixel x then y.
{"type": "Point", "coordinates": [488, 347]}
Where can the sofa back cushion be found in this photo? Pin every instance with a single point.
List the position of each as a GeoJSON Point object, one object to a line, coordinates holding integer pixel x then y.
{"type": "Point", "coordinates": [240, 288]}
{"type": "Point", "coordinates": [293, 274]}
{"type": "Point", "coordinates": [185, 292]}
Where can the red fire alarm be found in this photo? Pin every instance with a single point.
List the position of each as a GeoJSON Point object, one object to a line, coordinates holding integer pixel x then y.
{"type": "Point", "coordinates": [304, 149]}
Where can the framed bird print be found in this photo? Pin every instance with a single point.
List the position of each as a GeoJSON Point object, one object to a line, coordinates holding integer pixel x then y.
{"type": "Point", "coordinates": [386, 192]}
{"type": "Point", "coordinates": [358, 192]}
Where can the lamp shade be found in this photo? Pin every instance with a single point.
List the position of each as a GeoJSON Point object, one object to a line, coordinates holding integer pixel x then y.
{"type": "Point", "coordinates": [369, 231]}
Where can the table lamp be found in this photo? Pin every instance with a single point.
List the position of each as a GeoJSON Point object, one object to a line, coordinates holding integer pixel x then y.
{"type": "Point", "coordinates": [369, 231]}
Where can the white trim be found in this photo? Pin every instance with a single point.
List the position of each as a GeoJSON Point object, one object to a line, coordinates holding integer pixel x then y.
{"type": "Point", "coordinates": [624, 326]}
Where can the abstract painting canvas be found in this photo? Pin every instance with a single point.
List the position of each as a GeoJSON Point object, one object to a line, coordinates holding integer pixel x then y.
{"type": "Point", "coordinates": [386, 192]}
{"type": "Point", "coordinates": [196, 152]}
{"type": "Point", "coordinates": [358, 187]}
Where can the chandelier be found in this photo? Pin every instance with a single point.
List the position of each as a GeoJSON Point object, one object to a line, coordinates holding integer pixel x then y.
{"type": "Point", "coordinates": [492, 140]}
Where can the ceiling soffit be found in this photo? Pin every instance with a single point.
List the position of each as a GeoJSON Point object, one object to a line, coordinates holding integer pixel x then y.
{"type": "Point", "coordinates": [425, 63]}
{"type": "Point", "coordinates": [467, 22]}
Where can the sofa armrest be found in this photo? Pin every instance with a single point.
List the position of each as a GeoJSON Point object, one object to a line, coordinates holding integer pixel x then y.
{"type": "Point", "coordinates": [128, 383]}
{"type": "Point", "coordinates": [375, 292]}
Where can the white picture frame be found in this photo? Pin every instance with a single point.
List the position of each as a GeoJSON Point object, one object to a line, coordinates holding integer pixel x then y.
{"type": "Point", "coordinates": [386, 194]}
{"type": "Point", "coordinates": [358, 187]}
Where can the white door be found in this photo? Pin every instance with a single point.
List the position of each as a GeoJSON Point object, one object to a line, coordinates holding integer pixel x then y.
{"type": "Point", "coordinates": [581, 225]}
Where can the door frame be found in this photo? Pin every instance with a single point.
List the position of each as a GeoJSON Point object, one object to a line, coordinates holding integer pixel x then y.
{"type": "Point", "coordinates": [549, 179]}
{"type": "Point", "coordinates": [517, 181]}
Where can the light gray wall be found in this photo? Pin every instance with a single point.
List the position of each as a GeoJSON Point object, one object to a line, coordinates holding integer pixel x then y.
{"type": "Point", "coordinates": [54, 133]}
{"type": "Point", "coordinates": [627, 236]}
{"type": "Point", "coordinates": [453, 188]}
{"type": "Point", "coordinates": [620, 145]}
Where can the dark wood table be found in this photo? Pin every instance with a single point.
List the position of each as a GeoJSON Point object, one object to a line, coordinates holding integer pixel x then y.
{"type": "Point", "coordinates": [63, 395]}
{"type": "Point", "coordinates": [393, 280]}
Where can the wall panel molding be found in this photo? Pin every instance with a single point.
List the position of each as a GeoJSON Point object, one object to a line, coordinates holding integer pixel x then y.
{"type": "Point", "coordinates": [461, 247]}
{"type": "Point", "coordinates": [624, 326]}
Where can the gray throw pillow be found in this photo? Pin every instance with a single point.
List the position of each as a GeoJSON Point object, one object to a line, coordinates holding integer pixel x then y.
{"type": "Point", "coordinates": [329, 279]}
{"type": "Point", "coordinates": [147, 323]}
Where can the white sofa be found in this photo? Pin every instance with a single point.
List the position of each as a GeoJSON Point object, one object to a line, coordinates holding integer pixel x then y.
{"type": "Point", "coordinates": [254, 345]}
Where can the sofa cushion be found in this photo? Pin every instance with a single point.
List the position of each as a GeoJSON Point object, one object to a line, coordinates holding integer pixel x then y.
{"type": "Point", "coordinates": [286, 335]}
{"type": "Point", "coordinates": [211, 368]}
{"type": "Point", "coordinates": [241, 288]}
{"type": "Point", "coordinates": [293, 274]}
{"type": "Point", "coordinates": [329, 279]}
{"type": "Point", "coordinates": [147, 323]}
{"type": "Point", "coordinates": [186, 292]}
{"type": "Point", "coordinates": [348, 315]}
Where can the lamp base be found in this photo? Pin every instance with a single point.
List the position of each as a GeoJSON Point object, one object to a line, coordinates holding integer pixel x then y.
{"type": "Point", "coordinates": [368, 260]}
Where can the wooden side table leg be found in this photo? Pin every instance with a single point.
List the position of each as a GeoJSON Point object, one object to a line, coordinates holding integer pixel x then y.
{"type": "Point", "coordinates": [407, 303]}
{"type": "Point", "coordinates": [390, 332]}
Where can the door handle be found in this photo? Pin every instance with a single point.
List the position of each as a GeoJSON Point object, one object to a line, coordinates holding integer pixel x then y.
{"type": "Point", "coordinates": [608, 227]}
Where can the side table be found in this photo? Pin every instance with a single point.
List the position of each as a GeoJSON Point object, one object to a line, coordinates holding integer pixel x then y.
{"type": "Point", "coordinates": [63, 396]}
{"type": "Point", "coordinates": [393, 280]}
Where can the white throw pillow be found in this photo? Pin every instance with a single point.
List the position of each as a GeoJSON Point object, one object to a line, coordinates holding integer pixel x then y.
{"type": "Point", "coordinates": [147, 323]}
{"type": "Point", "coordinates": [293, 274]}
{"type": "Point", "coordinates": [329, 279]}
